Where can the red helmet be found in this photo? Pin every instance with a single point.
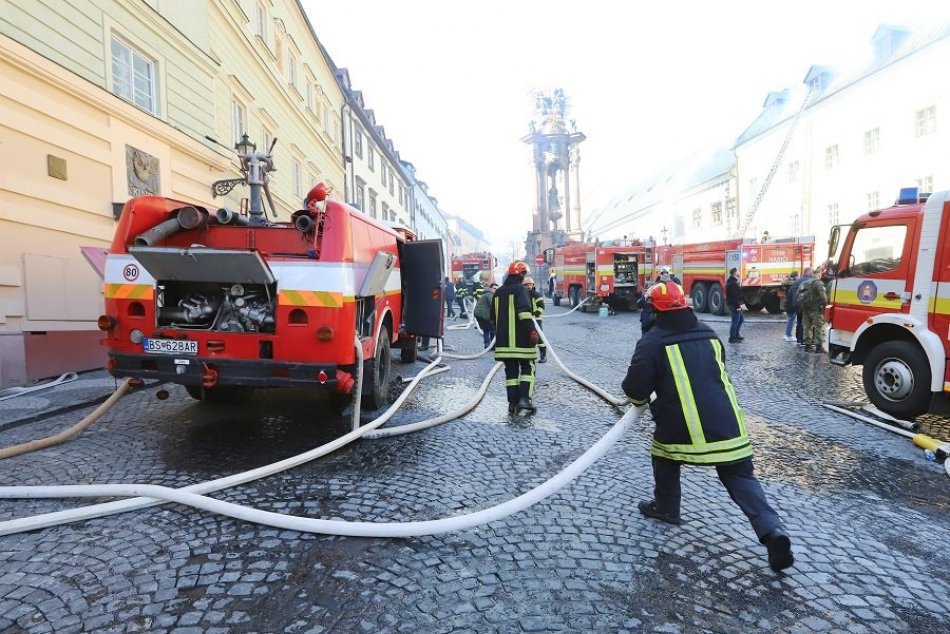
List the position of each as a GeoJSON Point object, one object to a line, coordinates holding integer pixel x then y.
{"type": "Point", "coordinates": [667, 296]}
{"type": "Point", "coordinates": [518, 268]}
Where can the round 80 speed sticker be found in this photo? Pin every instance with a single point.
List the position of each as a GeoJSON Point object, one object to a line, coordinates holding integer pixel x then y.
{"type": "Point", "coordinates": [130, 272]}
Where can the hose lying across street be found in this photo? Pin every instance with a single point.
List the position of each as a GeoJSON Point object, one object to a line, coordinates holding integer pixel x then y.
{"type": "Point", "coordinates": [193, 495]}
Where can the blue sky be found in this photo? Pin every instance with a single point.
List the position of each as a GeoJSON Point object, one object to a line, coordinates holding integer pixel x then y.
{"type": "Point", "coordinates": [649, 83]}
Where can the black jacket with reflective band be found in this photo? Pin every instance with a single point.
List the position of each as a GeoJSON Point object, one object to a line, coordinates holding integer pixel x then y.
{"type": "Point", "coordinates": [698, 419]}
{"type": "Point", "coordinates": [511, 314]}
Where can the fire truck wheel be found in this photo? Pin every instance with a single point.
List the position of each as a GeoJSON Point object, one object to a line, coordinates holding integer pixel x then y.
{"type": "Point", "coordinates": [717, 300]}
{"type": "Point", "coordinates": [376, 374]}
{"type": "Point", "coordinates": [896, 378]}
{"type": "Point", "coordinates": [773, 304]}
{"type": "Point", "coordinates": [700, 295]}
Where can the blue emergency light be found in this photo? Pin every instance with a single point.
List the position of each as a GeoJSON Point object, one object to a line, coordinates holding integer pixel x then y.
{"type": "Point", "coordinates": [911, 196]}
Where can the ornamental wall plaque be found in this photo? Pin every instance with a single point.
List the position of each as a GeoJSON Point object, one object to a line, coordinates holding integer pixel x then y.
{"type": "Point", "coordinates": [141, 171]}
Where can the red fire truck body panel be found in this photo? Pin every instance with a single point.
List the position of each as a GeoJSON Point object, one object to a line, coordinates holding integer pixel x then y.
{"type": "Point", "coordinates": [291, 320]}
{"type": "Point", "coordinates": [704, 267]}
{"type": "Point", "coordinates": [601, 273]}
{"type": "Point", "coordinates": [889, 306]}
{"type": "Point", "coordinates": [477, 267]}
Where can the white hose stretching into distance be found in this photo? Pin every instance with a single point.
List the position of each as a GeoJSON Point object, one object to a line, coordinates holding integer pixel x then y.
{"type": "Point", "coordinates": [470, 310]}
{"type": "Point", "coordinates": [44, 520]}
{"type": "Point", "coordinates": [613, 400]}
{"type": "Point", "coordinates": [579, 304]}
{"type": "Point", "coordinates": [191, 495]}
{"type": "Point", "coordinates": [341, 527]}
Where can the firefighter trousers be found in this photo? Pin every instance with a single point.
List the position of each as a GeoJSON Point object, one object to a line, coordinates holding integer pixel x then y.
{"type": "Point", "coordinates": [740, 482]}
{"type": "Point", "coordinates": [519, 379]}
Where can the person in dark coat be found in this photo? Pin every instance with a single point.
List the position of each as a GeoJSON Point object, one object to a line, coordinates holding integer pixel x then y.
{"type": "Point", "coordinates": [733, 302]}
{"type": "Point", "coordinates": [794, 312]}
{"type": "Point", "coordinates": [698, 420]}
{"type": "Point", "coordinates": [449, 296]}
{"type": "Point", "coordinates": [516, 340]}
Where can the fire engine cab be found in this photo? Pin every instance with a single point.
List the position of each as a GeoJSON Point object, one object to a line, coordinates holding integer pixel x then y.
{"type": "Point", "coordinates": [889, 306]}
{"type": "Point", "coordinates": [219, 301]}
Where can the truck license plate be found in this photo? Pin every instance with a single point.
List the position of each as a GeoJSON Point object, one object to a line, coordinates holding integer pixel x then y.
{"type": "Point", "coordinates": [170, 346]}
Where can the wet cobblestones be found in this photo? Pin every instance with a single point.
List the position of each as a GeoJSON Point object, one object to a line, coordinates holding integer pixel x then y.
{"type": "Point", "coordinates": [867, 515]}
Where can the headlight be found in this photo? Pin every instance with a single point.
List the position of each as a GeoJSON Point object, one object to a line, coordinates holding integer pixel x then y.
{"type": "Point", "coordinates": [136, 336]}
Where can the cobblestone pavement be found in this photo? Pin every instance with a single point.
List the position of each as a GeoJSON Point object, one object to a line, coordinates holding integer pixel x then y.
{"type": "Point", "coordinates": [869, 517]}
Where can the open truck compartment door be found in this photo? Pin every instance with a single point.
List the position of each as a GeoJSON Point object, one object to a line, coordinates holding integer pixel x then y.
{"type": "Point", "coordinates": [422, 269]}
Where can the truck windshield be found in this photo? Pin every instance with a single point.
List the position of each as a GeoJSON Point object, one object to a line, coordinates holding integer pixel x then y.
{"type": "Point", "coordinates": [876, 249]}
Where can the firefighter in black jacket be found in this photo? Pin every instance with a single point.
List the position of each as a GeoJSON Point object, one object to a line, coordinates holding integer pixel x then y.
{"type": "Point", "coordinates": [537, 309]}
{"type": "Point", "coordinates": [698, 420]}
{"type": "Point", "coordinates": [516, 339]}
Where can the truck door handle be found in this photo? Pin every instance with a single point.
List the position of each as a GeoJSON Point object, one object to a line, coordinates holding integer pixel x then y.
{"type": "Point", "coordinates": [891, 295]}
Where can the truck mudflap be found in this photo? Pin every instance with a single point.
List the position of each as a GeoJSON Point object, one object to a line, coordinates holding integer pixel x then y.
{"type": "Point", "coordinates": [217, 371]}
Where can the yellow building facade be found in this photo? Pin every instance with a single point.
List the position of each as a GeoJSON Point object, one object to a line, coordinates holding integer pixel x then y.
{"type": "Point", "coordinates": [101, 100]}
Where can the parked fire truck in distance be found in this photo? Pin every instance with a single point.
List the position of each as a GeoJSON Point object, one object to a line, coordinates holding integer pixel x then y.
{"type": "Point", "coordinates": [612, 273]}
{"type": "Point", "coordinates": [474, 267]}
{"type": "Point", "coordinates": [889, 304]}
{"type": "Point", "coordinates": [218, 301]}
{"type": "Point", "coordinates": [704, 267]}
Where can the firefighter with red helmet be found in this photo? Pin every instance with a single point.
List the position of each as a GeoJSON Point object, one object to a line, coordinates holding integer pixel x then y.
{"type": "Point", "coordinates": [516, 339]}
{"type": "Point", "coordinates": [698, 419]}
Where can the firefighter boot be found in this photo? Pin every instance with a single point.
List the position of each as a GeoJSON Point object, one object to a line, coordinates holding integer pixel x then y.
{"type": "Point", "coordinates": [525, 403]}
{"type": "Point", "coordinates": [648, 508]}
{"type": "Point", "coordinates": [780, 549]}
{"type": "Point", "coordinates": [512, 391]}
{"type": "Point", "coordinates": [543, 357]}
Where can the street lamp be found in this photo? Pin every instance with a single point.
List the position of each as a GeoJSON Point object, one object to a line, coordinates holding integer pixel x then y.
{"type": "Point", "coordinates": [664, 231]}
{"type": "Point", "coordinates": [245, 146]}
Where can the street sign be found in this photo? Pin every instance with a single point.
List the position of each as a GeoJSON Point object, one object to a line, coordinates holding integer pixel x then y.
{"type": "Point", "coordinates": [539, 259]}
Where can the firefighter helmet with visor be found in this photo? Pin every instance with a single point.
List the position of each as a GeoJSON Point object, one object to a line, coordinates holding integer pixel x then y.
{"type": "Point", "coordinates": [518, 268]}
{"type": "Point", "coordinates": [667, 296]}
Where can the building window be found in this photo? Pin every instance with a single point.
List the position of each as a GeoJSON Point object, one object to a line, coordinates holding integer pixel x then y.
{"type": "Point", "coordinates": [873, 201]}
{"type": "Point", "coordinates": [371, 159]}
{"type": "Point", "coordinates": [402, 196]}
{"type": "Point", "coordinates": [831, 156]}
{"type": "Point", "coordinates": [385, 215]}
{"type": "Point", "coordinates": [133, 76]}
{"type": "Point", "coordinates": [238, 119]}
{"type": "Point", "coordinates": [297, 176]}
{"type": "Point", "coordinates": [392, 183]}
{"type": "Point", "coordinates": [697, 218]}
{"type": "Point", "coordinates": [717, 213]}
{"type": "Point", "coordinates": [278, 53]}
{"type": "Point", "coordinates": [358, 142]}
{"type": "Point", "coordinates": [793, 172]}
{"type": "Point", "coordinates": [261, 22]}
{"type": "Point", "coordinates": [359, 194]}
{"type": "Point", "coordinates": [291, 69]}
{"type": "Point", "coordinates": [382, 173]}
{"type": "Point", "coordinates": [731, 211]}
{"type": "Point", "coordinates": [326, 119]}
{"type": "Point", "coordinates": [926, 184]}
{"type": "Point", "coordinates": [833, 214]}
{"type": "Point", "coordinates": [372, 203]}
{"type": "Point", "coordinates": [872, 141]}
{"type": "Point", "coordinates": [309, 97]}
{"type": "Point", "coordinates": [926, 120]}
{"type": "Point", "coordinates": [266, 138]}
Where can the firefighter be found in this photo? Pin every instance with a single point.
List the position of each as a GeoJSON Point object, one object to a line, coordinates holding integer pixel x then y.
{"type": "Point", "coordinates": [537, 309]}
{"type": "Point", "coordinates": [515, 337]}
{"type": "Point", "coordinates": [698, 420]}
{"type": "Point", "coordinates": [460, 291]}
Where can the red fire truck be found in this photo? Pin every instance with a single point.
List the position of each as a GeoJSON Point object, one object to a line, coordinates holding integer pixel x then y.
{"type": "Point", "coordinates": [474, 267]}
{"type": "Point", "coordinates": [611, 273]}
{"type": "Point", "coordinates": [889, 305]}
{"type": "Point", "coordinates": [218, 301]}
{"type": "Point", "coordinates": [703, 268]}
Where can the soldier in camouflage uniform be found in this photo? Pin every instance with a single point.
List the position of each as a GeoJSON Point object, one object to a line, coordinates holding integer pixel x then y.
{"type": "Point", "coordinates": [812, 298]}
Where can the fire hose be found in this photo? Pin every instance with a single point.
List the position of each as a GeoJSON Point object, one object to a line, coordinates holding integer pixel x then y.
{"type": "Point", "coordinates": [192, 495]}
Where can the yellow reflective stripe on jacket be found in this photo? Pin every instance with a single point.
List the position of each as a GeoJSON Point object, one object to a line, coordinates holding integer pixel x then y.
{"type": "Point", "coordinates": [685, 391]}
{"type": "Point", "coordinates": [517, 353]}
{"type": "Point", "coordinates": [526, 315]}
{"type": "Point", "coordinates": [511, 322]}
{"type": "Point", "coordinates": [694, 457]}
{"type": "Point", "coordinates": [730, 390]}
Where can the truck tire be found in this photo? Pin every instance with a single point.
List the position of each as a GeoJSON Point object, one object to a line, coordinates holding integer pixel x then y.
{"type": "Point", "coordinates": [896, 377]}
{"type": "Point", "coordinates": [376, 374]}
{"type": "Point", "coordinates": [700, 297]}
{"type": "Point", "coordinates": [408, 352]}
{"type": "Point", "coordinates": [717, 300]}
{"type": "Point", "coordinates": [773, 303]}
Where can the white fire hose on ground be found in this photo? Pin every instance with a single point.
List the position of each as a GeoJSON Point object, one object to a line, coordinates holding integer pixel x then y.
{"type": "Point", "coordinates": [192, 495]}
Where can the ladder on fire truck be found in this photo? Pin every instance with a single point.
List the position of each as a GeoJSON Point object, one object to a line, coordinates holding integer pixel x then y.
{"type": "Point", "coordinates": [750, 215]}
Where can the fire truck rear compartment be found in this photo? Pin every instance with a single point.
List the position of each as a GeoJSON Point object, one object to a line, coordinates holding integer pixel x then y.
{"type": "Point", "coordinates": [216, 306]}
